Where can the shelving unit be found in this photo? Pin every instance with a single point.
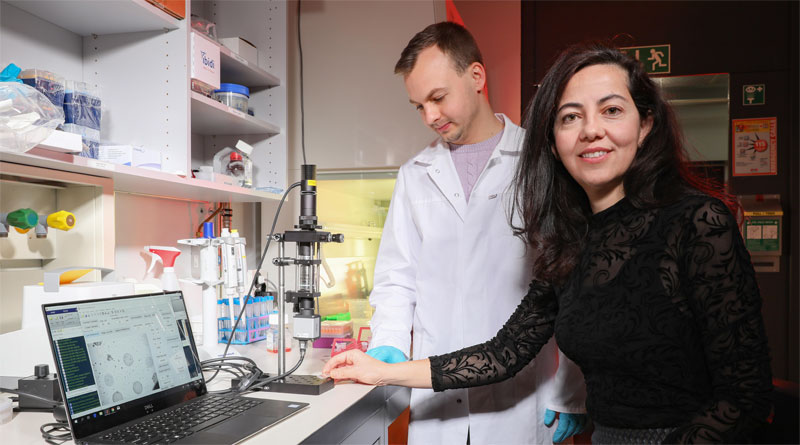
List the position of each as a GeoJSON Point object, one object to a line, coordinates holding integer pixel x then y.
{"type": "Point", "coordinates": [138, 180]}
{"type": "Point", "coordinates": [138, 56]}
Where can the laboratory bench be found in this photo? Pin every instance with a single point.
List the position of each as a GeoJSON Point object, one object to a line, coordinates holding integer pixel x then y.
{"type": "Point", "coordinates": [348, 413]}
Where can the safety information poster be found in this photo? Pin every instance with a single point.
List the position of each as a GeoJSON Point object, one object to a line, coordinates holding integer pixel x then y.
{"type": "Point", "coordinates": [761, 235]}
{"type": "Point", "coordinates": [755, 146]}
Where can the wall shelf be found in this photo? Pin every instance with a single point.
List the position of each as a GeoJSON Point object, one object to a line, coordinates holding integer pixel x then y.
{"type": "Point", "coordinates": [210, 117]}
{"type": "Point", "coordinates": [235, 69]}
{"type": "Point", "coordinates": [87, 17]}
{"type": "Point", "coordinates": [139, 180]}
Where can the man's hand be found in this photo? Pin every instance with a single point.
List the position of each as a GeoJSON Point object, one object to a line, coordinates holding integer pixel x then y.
{"type": "Point", "coordinates": [357, 366]}
{"type": "Point", "coordinates": [387, 354]}
{"type": "Point", "coordinates": [568, 424]}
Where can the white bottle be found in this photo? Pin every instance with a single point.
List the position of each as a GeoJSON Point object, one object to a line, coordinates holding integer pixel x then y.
{"type": "Point", "coordinates": [273, 338]}
{"type": "Point", "coordinates": [272, 333]}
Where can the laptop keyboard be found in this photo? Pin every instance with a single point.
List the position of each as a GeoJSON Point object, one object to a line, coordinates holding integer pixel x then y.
{"type": "Point", "coordinates": [176, 424]}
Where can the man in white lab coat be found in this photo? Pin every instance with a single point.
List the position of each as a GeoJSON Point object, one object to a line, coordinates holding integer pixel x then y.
{"type": "Point", "coordinates": [449, 265]}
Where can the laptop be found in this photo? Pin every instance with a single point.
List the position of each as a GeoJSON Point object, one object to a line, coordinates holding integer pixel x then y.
{"type": "Point", "coordinates": [129, 372]}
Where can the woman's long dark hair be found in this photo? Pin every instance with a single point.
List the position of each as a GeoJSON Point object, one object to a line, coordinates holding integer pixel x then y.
{"type": "Point", "coordinates": [554, 208]}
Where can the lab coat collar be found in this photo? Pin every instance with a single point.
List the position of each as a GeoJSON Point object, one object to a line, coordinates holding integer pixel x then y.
{"type": "Point", "coordinates": [439, 164]}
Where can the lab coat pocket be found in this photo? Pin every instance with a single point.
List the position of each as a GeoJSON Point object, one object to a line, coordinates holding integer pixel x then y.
{"type": "Point", "coordinates": [434, 219]}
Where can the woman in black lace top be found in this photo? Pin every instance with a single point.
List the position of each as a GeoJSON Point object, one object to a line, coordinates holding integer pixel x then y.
{"type": "Point", "coordinates": [642, 275]}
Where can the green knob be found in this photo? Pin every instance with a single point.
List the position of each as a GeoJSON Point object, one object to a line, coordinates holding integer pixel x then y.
{"type": "Point", "coordinates": [23, 219]}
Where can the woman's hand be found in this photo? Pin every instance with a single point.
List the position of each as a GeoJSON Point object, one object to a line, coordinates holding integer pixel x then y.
{"type": "Point", "coordinates": [357, 366]}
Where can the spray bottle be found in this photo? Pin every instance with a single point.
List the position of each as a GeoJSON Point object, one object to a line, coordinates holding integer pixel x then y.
{"type": "Point", "coordinates": [166, 256]}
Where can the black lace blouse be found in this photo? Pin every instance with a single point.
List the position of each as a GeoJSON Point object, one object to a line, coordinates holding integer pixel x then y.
{"type": "Point", "coordinates": [663, 316]}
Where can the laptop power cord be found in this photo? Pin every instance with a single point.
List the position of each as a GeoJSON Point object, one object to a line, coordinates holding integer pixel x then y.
{"type": "Point", "coordinates": [55, 433]}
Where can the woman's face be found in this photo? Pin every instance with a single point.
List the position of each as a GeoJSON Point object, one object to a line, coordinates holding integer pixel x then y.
{"type": "Point", "coordinates": [598, 130]}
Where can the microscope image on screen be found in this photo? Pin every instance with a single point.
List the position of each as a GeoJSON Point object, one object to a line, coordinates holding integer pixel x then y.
{"type": "Point", "coordinates": [124, 367]}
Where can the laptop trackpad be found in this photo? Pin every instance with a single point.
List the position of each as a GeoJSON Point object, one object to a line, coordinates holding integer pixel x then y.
{"type": "Point", "coordinates": [231, 430]}
{"type": "Point", "coordinates": [242, 425]}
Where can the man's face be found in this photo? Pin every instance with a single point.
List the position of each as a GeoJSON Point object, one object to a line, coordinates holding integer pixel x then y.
{"type": "Point", "coordinates": [446, 100]}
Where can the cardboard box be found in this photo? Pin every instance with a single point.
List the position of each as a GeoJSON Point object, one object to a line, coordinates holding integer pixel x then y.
{"type": "Point", "coordinates": [205, 60]}
{"type": "Point", "coordinates": [242, 47]}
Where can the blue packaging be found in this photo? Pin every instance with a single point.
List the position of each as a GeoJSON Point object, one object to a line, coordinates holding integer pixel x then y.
{"type": "Point", "coordinates": [82, 105]}
{"type": "Point", "coordinates": [82, 113]}
{"type": "Point", "coordinates": [49, 84]}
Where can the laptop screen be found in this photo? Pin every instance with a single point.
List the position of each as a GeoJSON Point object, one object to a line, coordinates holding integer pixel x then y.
{"type": "Point", "coordinates": [119, 359]}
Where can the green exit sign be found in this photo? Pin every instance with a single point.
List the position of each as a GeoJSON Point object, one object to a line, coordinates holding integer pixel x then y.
{"type": "Point", "coordinates": [655, 59]}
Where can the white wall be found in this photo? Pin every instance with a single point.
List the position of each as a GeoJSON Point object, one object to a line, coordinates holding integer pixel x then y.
{"type": "Point", "coordinates": [356, 108]}
{"type": "Point", "coordinates": [61, 49]}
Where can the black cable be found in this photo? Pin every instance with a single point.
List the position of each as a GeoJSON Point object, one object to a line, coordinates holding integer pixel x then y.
{"type": "Point", "coordinates": [302, 105]}
{"type": "Point", "coordinates": [252, 285]}
{"type": "Point", "coordinates": [262, 383]}
{"type": "Point", "coordinates": [31, 395]}
{"type": "Point", "coordinates": [50, 436]}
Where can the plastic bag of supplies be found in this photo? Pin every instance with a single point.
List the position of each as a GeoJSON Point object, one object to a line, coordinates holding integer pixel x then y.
{"type": "Point", "coordinates": [27, 117]}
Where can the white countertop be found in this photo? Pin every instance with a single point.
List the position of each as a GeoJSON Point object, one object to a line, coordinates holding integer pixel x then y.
{"type": "Point", "coordinates": [24, 427]}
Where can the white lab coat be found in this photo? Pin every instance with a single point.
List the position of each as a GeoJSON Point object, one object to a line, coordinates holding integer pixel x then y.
{"type": "Point", "coordinates": [454, 272]}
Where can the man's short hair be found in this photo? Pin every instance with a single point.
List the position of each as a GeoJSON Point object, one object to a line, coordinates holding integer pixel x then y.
{"type": "Point", "coordinates": [451, 38]}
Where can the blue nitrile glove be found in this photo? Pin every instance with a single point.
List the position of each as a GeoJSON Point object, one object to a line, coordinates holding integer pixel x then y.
{"type": "Point", "coordinates": [568, 424]}
{"type": "Point", "coordinates": [387, 354]}
{"type": "Point", "coordinates": [10, 73]}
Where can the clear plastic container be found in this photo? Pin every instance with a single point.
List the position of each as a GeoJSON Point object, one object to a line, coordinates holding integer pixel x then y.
{"type": "Point", "coordinates": [241, 167]}
{"type": "Point", "coordinates": [233, 95]}
{"type": "Point", "coordinates": [332, 304]}
{"type": "Point", "coordinates": [206, 27]}
{"type": "Point", "coordinates": [359, 308]}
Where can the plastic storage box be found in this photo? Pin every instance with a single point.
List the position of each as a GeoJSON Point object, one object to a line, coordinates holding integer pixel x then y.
{"type": "Point", "coordinates": [337, 329]}
{"type": "Point", "coordinates": [233, 95]}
